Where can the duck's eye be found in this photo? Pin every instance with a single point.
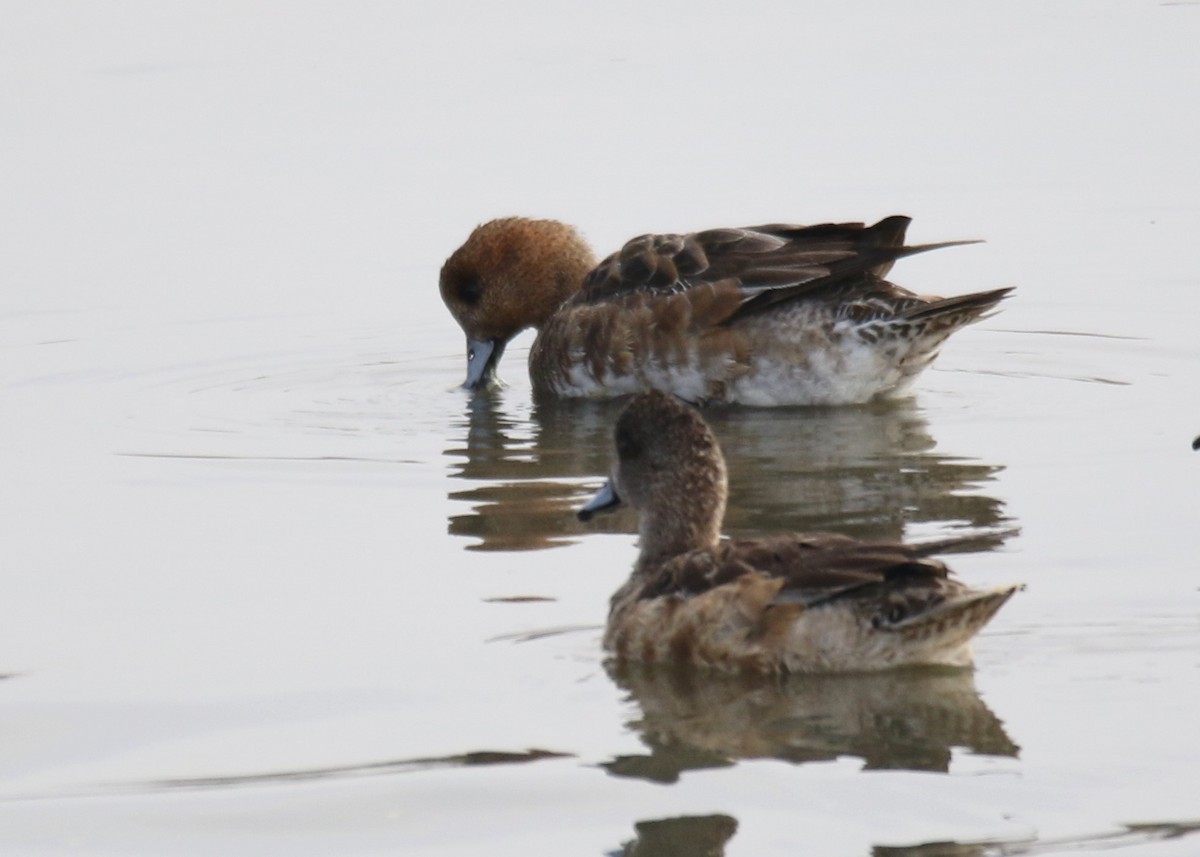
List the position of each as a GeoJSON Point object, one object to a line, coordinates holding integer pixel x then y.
{"type": "Point", "coordinates": [470, 291]}
{"type": "Point", "coordinates": [627, 446]}
{"type": "Point", "coordinates": [895, 613]}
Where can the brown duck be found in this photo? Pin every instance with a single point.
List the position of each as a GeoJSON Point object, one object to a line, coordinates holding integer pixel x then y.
{"type": "Point", "coordinates": [762, 315]}
{"type": "Point", "coordinates": [786, 603]}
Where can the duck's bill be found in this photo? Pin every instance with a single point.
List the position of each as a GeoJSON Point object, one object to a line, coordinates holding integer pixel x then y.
{"type": "Point", "coordinates": [606, 500]}
{"type": "Point", "coordinates": [483, 356]}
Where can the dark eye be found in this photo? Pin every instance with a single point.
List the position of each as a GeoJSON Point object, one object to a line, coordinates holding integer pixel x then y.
{"type": "Point", "coordinates": [627, 445]}
{"type": "Point", "coordinates": [470, 291]}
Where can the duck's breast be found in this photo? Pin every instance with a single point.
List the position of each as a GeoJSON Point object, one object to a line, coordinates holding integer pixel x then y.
{"type": "Point", "coordinates": [717, 628]}
{"type": "Point", "coordinates": [614, 348]}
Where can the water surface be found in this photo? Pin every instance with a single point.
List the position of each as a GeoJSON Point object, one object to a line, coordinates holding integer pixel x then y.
{"type": "Point", "coordinates": [274, 584]}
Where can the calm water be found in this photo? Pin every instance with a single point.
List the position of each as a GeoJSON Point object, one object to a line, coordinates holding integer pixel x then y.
{"type": "Point", "coordinates": [272, 584]}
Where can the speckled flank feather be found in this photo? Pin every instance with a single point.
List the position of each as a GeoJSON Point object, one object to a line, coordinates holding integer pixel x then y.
{"type": "Point", "coordinates": [642, 341]}
{"type": "Point", "coordinates": [786, 603]}
{"type": "Point", "coordinates": [721, 627]}
{"type": "Point", "coordinates": [737, 627]}
{"type": "Point", "coordinates": [765, 315]}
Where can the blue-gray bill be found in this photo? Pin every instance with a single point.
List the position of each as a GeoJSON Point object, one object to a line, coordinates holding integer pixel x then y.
{"type": "Point", "coordinates": [483, 356]}
{"type": "Point", "coordinates": [605, 500]}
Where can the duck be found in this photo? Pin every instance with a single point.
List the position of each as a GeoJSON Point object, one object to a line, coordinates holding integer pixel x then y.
{"type": "Point", "coordinates": [777, 604]}
{"type": "Point", "coordinates": [762, 315]}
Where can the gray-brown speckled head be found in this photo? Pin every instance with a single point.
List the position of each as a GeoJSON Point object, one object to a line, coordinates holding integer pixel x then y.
{"type": "Point", "coordinates": [669, 467]}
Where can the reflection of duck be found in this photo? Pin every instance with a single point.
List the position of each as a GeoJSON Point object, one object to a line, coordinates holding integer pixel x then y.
{"type": "Point", "coordinates": [686, 836]}
{"type": "Point", "coordinates": [765, 315]}
{"type": "Point", "coordinates": [908, 719]}
{"type": "Point", "coordinates": [1127, 835]}
{"type": "Point", "coordinates": [522, 471]}
{"type": "Point", "coordinates": [783, 603]}
{"type": "Point", "coordinates": [868, 471]}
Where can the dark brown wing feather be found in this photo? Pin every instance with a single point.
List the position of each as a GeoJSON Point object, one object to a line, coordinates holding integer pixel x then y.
{"type": "Point", "coordinates": [815, 568]}
{"type": "Point", "coordinates": [767, 264]}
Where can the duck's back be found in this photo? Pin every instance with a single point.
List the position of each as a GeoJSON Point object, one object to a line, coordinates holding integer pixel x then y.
{"type": "Point", "coordinates": [764, 315]}
{"type": "Point", "coordinates": [823, 603]}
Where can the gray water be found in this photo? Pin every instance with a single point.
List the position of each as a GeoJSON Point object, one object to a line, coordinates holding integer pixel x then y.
{"type": "Point", "coordinates": [273, 584]}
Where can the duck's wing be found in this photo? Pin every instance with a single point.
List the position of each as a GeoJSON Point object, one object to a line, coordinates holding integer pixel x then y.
{"type": "Point", "coordinates": [746, 270]}
{"type": "Point", "coordinates": [819, 569]}
{"type": "Point", "coordinates": [813, 569]}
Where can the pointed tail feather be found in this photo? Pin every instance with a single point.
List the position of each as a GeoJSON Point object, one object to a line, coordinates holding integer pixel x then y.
{"type": "Point", "coordinates": [913, 249]}
{"type": "Point", "coordinates": [957, 620]}
{"type": "Point", "coordinates": [880, 259]}
{"type": "Point", "coordinates": [889, 233]}
{"type": "Point", "coordinates": [970, 307]}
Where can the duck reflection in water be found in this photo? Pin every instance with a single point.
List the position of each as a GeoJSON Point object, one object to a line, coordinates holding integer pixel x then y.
{"type": "Point", "coordinates": [908, 719]}
{"type": "Point", "coordinates": [523, 466]}
{"type": "Point", "coordinates": [685, 836]}
{"type": "Point", "coordinates": [867, 471]}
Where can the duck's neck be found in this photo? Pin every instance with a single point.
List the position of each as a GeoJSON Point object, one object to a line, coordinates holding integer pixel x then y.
{"type": "Point", "coordinates": [685, 527]}
{"type": "Point", "coordinates": [553, 274]}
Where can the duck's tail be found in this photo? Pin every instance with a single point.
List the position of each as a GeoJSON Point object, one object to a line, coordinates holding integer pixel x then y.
{"type": "Point", "coordinates": [886, 239]}
{"type": "Point", "coordinates": [949, 626]}
{"type": "Point", "coordinates": [949, 314]}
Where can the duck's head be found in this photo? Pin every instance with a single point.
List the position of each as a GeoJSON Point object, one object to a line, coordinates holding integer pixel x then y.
{"type": "Point", "coordinates": [669, 467]}
{"type": "Point", "coordinates": [511, 274]}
